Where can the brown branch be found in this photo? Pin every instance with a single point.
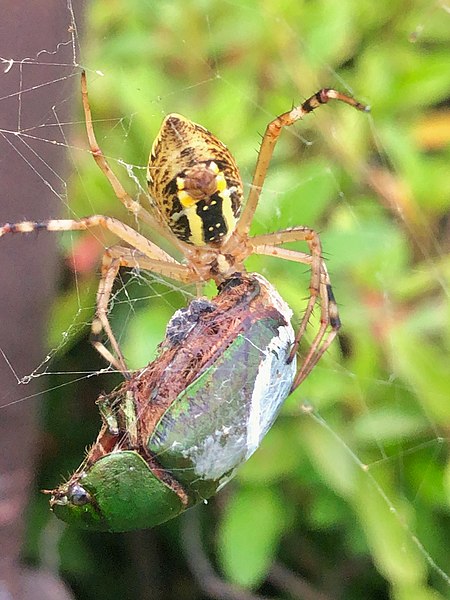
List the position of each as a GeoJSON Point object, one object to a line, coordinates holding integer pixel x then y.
{"type": "Point", "coordinates": [293, 584]}
{"type": "Point", "coordinates": [200, 566]}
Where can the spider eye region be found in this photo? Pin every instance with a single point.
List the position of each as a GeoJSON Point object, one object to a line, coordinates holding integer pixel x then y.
{"type": "Point", "coordinates": [195, 182]}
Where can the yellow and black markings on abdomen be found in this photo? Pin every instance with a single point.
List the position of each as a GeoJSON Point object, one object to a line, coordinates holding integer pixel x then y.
{"type": "Point", "coordinates": [204, 221]}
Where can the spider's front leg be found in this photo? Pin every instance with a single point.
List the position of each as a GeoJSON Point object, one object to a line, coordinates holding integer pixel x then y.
{"type": "Point", "coordinates": [131, 205]}
{"type": "Point", "coordinates": [270, 139]}
{"type": "Point", "coordinates": [142, 254]}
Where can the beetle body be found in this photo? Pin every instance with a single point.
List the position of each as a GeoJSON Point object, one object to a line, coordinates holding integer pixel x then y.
{"type": "Point", "coordinates": [176, 432]}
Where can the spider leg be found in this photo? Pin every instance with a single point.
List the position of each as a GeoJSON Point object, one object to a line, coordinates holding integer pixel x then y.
{"type": "Point", "coordinates": [296, 234]}
{"type": "Point", "coordinates": [269, 141]}
{"type": "Point", "coordinates": [124, 232]}
{"type": "Point", "coordinates": [329, 316]}
{"type": "Point", "coordinates": [114, 258]}
{"type": "Point", "coordinates": [131, 205]}
{"type": "Point", "coordinates": [151, 257]}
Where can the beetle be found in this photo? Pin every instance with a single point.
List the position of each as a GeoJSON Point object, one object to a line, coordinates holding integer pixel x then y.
{"type": "Point", "coordinates": [175, 432]}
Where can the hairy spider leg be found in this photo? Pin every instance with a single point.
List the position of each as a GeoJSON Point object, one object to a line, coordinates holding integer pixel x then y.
{"type": "Point", "coordinates": [113, 258]}
{"type": "Point", "coordinates": [320, 286]}
{"type": "Point", "coordinates": [131, 205]}
{"type": "Point", "coordinates": [270, 140]}
{"type": "Point", "coordinates": [156, 260]}
{"type": "Point", "coordinates": [329, 315]}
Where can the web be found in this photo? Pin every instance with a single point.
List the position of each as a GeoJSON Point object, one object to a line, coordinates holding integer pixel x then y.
{"type": "Point", "coordinates": [370, 422]}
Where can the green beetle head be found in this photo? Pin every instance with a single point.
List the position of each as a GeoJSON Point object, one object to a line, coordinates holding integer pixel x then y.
{"type": "Point", "coordinates": [117, 493]}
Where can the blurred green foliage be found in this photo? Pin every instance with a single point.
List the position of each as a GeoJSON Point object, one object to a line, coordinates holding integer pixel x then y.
{"type": "Point", "coordinates": [352, 494]}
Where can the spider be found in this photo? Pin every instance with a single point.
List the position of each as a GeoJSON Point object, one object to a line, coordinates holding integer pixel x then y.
{"type": "Point", "coordinates": [197, 203]}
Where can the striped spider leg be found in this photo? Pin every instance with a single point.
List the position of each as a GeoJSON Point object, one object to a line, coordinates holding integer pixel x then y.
{"type": "Point", "coordinates": [144, 254]}
{"type": "Point", "coordinates": [329, 315]}
{"type": "Point", "coordinates": [320, 286]}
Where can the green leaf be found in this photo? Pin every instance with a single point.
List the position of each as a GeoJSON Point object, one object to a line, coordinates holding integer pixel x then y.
{"type": "Point", "coordinates": [447, 482]}
{"type": "Point", "coordinates": [407, 592]}
{"type": "Point", "coordinates": [249, 534]}
{"type": "Point", "coordinates": [426, 370]}
{"type": "Point", "coordinates": [389, 423]}
{"type": "Point", "coordinates": [389, 534]}
{"type": "Point", "coordinates": [331, 458]}
{"type": "Point", "coordinates": [278, 456]}
{"type": "Point", "coordinates": [71, 314]}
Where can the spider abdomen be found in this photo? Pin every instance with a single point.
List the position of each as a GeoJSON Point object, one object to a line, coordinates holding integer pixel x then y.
{"type": "Point", "coordinates": [194, 182]}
